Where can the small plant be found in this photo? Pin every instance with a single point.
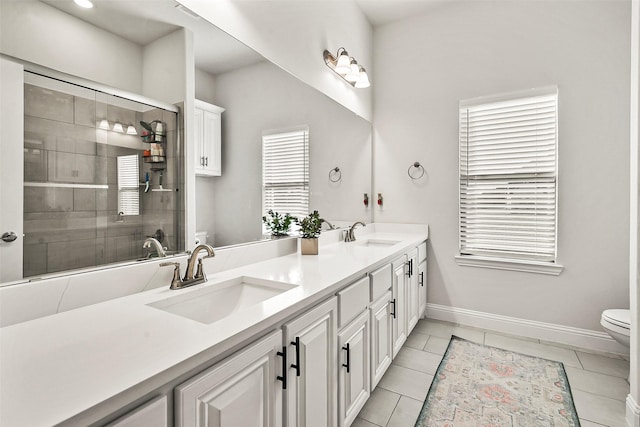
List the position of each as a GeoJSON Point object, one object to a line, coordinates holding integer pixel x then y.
{"type": "Point", "coordinates": [310, 225]}
{"type": "Point", "coordinates": [278, 224]}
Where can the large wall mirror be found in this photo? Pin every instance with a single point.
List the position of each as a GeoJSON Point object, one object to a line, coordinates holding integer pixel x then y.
{"type": "Point", "coordinates": [114, 43]}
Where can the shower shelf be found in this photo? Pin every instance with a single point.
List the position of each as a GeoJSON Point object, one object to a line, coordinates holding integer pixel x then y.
{"type": "Point", "coordinates": [154, 159]}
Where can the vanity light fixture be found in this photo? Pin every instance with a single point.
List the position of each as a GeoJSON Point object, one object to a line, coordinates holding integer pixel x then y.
{"type": "Point", "coordinates": [117, 127]}
{"type": "Point", "coordinates": [84, 3]}
{"type": "Point", "coordinates": [131, 130]}
{"type": "Point", "coordinates": [347, 68]}
{"type": "Point", "coordinates": [104, 124]}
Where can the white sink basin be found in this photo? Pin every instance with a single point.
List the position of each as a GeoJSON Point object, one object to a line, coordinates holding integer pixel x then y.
{"type": "Point", "coordinates": [212, 303]}
{"type": "Point", "coordinates": [377, 243]}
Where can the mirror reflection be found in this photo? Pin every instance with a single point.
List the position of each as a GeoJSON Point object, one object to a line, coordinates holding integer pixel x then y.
{"type": "Point", "coordinates": [139, 46]}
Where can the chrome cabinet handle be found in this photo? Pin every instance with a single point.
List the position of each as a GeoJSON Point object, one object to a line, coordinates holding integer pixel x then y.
{"type": "Point", "coordinates": [9, 236]}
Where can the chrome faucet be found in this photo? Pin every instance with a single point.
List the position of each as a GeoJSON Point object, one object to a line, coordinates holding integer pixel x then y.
{"type": "Point", "coordinates": [350, 237]}
{"type": "Point", "coordinates": [149, 242]}
{"type": "Point", "coordinates": [189, 279]}
{"type": "Point", "coordinates": [331, 226]}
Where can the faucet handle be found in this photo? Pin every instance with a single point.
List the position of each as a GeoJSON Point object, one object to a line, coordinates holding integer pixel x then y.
{"type": "Point", "coordinates": [176, 281]}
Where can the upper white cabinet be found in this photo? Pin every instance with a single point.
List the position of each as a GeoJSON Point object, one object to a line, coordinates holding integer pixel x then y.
{"type": "Point", "coordinates": [311, 396]}
{"type": "Point", "coordinates": [243, 390]}
{"type": "Point", "coordinates": [208, 138]}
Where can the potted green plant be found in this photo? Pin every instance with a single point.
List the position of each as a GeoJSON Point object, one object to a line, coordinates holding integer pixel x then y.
{"type": "Point", "coordinates": [309, 231]}
{"type": "Point", "coordinates": [277, 223]}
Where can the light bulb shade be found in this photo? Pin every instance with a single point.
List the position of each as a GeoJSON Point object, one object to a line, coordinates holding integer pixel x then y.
{"type": "Point", "coordinates": [84, 3]}
{"type": "Point", "coordinates": [118, 128]}
{"type": "Point", "coordinates": [363, 79]}
{"type": "Point", "coordinates": [104, 124]}
{"type": "Point", "coordinates": [131, 130]}
{"type": "Point", "coordinates": [343, 65]}
{"type": "Point", "coordinates": [354, 72]}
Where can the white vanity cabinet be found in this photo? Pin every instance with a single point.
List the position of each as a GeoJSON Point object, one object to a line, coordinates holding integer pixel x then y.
{"type": "Point", "coordinates": [311, 395]}
{"type": "Point", "coordinates": [242, 390]}
{"type": "Point", "coordinates": [413, 303]}
{"type": "Point", "coordinates": [422, 278]}
{"type": "Point", "coordinates": [153, 413]}
{"type": "Point", "coordinates": [381, 337]}
{"type": "Point", "coordinates": [354, 350]}
{"type": "Point", "coordinates": [399, 293]}
{"type": "Point", "coordinates": [208, 138]}
{"type": "Point", "coordinates": [353, 375]}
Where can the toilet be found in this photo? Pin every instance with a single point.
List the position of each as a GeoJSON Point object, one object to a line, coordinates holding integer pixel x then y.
{"type": "Point", "coordinates": [617, 323]}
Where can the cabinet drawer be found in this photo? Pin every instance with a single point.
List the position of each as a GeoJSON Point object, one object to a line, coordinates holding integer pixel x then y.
{"type": "Point", "coordinates": [422, 252]}
{"type": "Point", "coordinates": [380, 282]}
{"type": "Point", "coordinates": [352, 301]}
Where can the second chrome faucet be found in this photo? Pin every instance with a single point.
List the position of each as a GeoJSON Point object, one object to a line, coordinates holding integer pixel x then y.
{"type": "Point", "coordinates": [189, 278]}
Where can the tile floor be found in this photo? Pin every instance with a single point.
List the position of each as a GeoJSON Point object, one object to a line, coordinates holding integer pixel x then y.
{"type": "Point", "coordinates": [598, 383]}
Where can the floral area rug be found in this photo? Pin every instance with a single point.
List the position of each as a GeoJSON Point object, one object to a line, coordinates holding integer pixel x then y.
{"type": "Point", "coordinates": [480, 386]}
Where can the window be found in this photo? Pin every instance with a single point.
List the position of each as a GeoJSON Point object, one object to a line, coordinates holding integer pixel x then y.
{"type": "Point", "coordinates": [508, 181]}
{"type": "Point", "coordinates": [128, 185]}
{"type": "Point", "coordinates": [285, 172]}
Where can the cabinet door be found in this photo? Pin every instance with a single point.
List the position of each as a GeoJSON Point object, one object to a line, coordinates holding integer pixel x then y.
{"type": "Point", "coordinates": [353, 368]}
{"type": "Point", "coordinates": [153, 413]}
{"type": "Point", "coordinates": [413, 300]}
{"type": "Point", "coordinates": [399, 305]}
{"type": "Point", "coordinates": [198, 137]}
{"type": "Point", "coordinates": [381, 338]}
{"type": "Point", "coordinates": [422, 289]}
{"type": "Point", "coordinates": [242, 390]}
{"type": "Point", "coordinates": [212, 132]}
{"type": "Point", "coordinates": [311, 396]}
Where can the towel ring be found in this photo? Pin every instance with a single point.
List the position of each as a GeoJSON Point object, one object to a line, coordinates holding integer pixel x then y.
{"type": "Point", "coordinates": [335, 175]}
{"type": "Point", "coordinates": [418, 166]}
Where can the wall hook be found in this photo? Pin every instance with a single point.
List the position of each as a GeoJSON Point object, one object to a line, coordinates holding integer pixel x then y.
{"type": "Point", "coordinates": [417, 169]}
{"type": "Point", "coordinates": [335, 175]}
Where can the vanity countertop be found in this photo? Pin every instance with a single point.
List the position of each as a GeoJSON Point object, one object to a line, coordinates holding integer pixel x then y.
{"type": "Point", "coordinates": [84, 363]}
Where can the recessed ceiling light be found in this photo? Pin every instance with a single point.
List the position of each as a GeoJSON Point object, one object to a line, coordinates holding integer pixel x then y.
{"type": "Point", "coordinates": [84, 3]}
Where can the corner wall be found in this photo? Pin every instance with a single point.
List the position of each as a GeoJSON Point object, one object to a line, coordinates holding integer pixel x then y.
{"type": "Point", "coordinates": [466, 49]}
{"type": "Point", "coordinates": [337, 138]}
{"type": "Point", "coordinates": [38, 33]}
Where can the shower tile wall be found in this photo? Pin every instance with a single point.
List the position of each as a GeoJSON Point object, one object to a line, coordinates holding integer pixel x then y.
{"type": "Point", "coordinates": [67, 226]}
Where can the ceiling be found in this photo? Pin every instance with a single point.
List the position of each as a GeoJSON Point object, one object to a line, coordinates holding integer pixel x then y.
{"type": "Point", "coordinates": [380, 12]}
{"type": "Point", "coordinates": [215, 51]}
{"type": "Point", "coordinates": [145, 21]}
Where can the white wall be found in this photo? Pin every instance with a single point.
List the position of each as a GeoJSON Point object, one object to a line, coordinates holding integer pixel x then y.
{"type": "Point", "coordinates": [633, 408]}
{"type": "Point", "coordinates": [337, 138]}
{"type": "Point", "coordinates": [293, 35]}
{"type": "Point", "coordinates": [38, 33]}
{"type": "Point", "coordinates": [205, 86]}
{"type": "Point", "coordinates": [467, 49]}
{"type": "Point", "coordinates": [166, 64]}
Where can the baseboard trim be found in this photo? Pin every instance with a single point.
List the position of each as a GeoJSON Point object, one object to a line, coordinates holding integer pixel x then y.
{"type": "Point", "coordinates": [598, 341]}
{"type": "Point", "coordinates": [633, 412]}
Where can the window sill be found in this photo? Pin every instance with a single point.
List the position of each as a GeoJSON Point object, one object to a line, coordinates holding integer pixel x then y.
{"type": "Point", "coordinates": [510, 264]}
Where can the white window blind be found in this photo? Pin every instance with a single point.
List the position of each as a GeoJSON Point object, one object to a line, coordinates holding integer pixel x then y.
{"type": "Point", "coordinates": [285, 172]}
{"type": "Point", "coordinates": [128, 185]}
{"type": "Point", "coordinates": [508, 177]}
